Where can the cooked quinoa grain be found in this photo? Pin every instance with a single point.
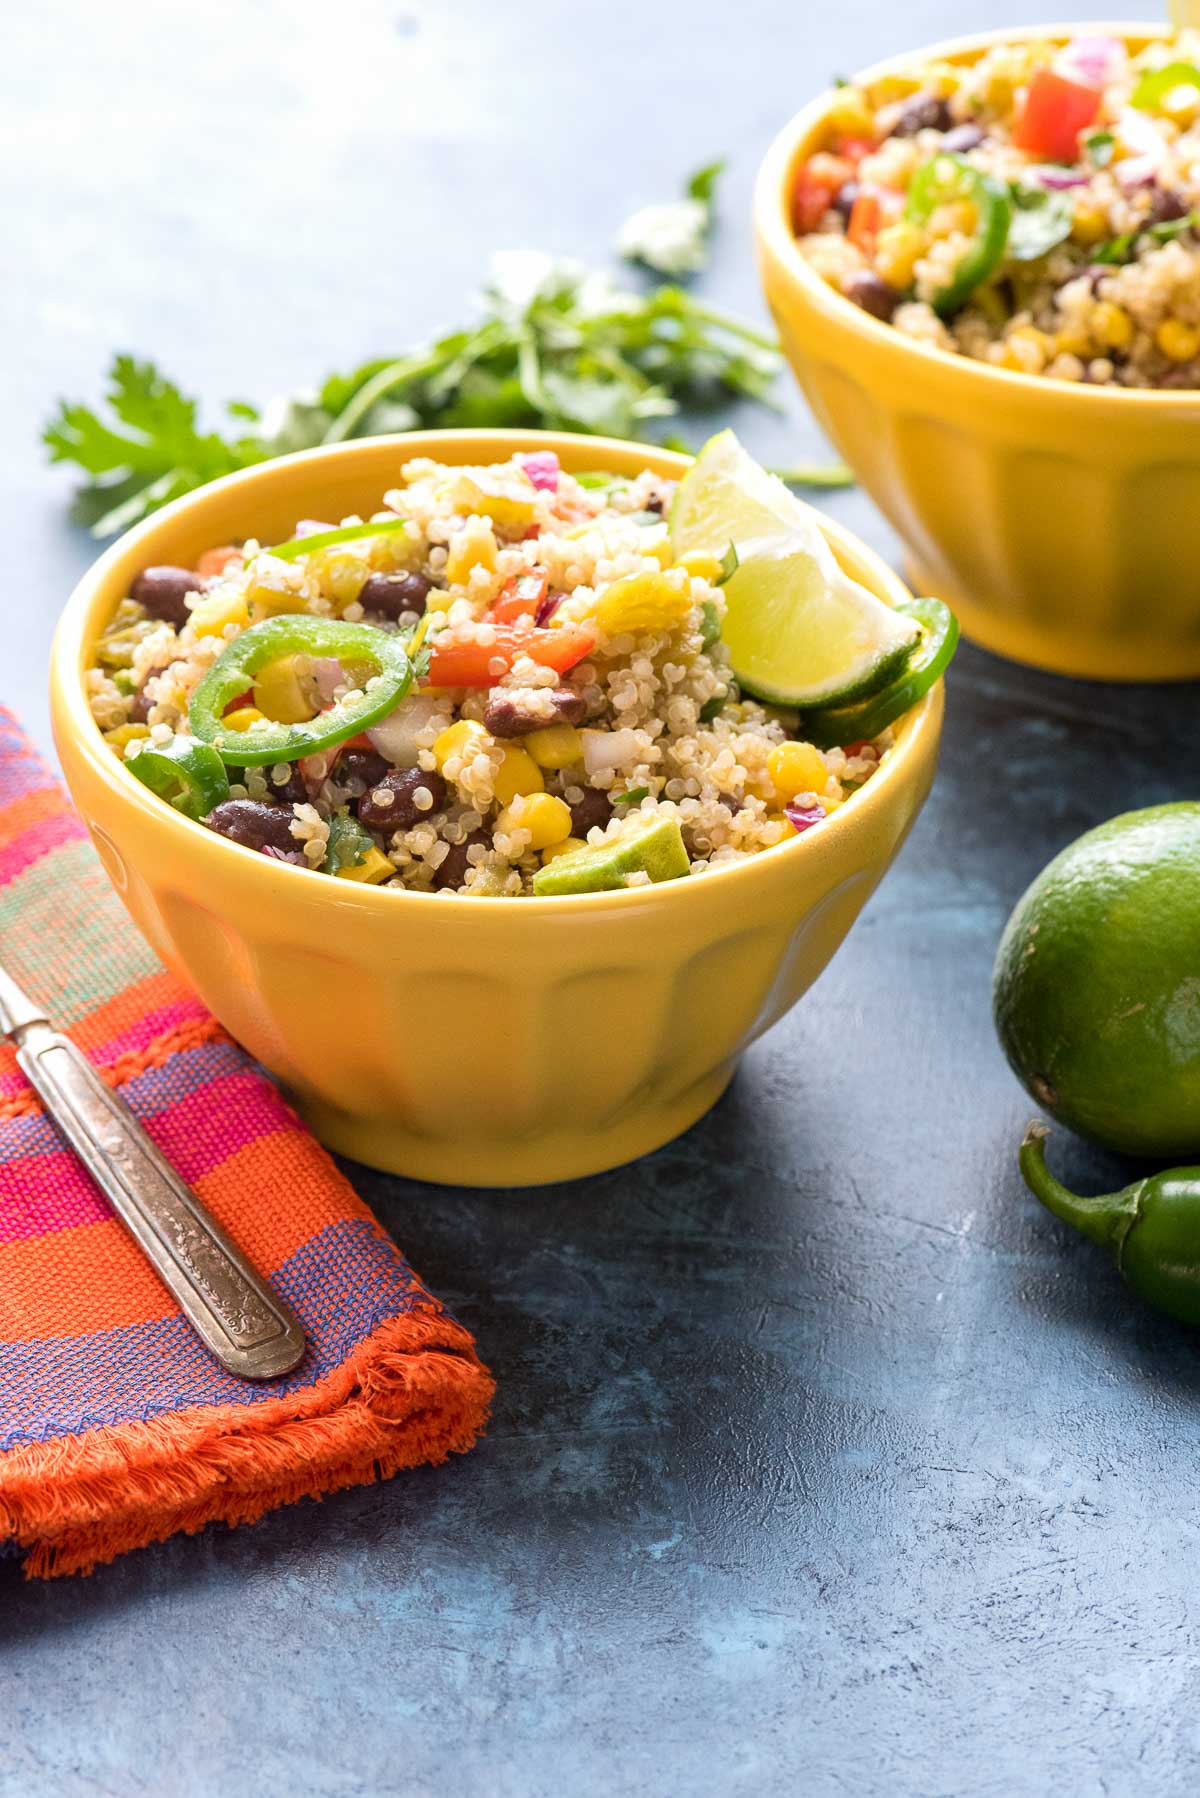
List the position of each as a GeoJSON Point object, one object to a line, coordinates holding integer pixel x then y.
{"type": "Point", "coordinates": [564, 697]}
{"type": "Point", "coordinates": [1038, 209]}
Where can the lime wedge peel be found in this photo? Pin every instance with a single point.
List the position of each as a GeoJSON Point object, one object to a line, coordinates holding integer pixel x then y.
{"type": "Point", "coordinates": [799, 631]}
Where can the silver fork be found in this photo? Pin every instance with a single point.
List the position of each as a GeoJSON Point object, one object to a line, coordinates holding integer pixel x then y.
{"type": "Point", "coordinates": [248, 1328]}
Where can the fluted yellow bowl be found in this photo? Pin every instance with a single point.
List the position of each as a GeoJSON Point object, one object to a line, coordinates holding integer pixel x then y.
{"type": "Point", "coordinates": [1061, 522]}
{"type": "Point", "coordinates": [496, 1042]}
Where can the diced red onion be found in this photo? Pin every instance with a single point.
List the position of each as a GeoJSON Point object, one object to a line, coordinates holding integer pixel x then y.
{"type": "Point", "coordinates": [803, 817]}
{"type": "Point", "coordinates": [542, 468]}
{"type": "Point", "coordinates": [1059, 179]}
{"type": "Point", "coordinates": [604, 749]}
{"type": "Point", "coordinates": [547, 608]}
{"type": "Point", "coordinates": [1094, 60]}
{"type": "Point", "coordinates": [327, 672]}
{"type": "Point", "coordinates": [1137, 132]}
{"type": "Point", "coordinates": [1136, 171]}
{"type": "Point", "coordinates": [295, 856]}
{"type": "Point", "coordinates": [395, 737]}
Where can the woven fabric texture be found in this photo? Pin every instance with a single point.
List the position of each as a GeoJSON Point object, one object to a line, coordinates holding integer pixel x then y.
{"type": "Point", "coordinates": [117, 1427]}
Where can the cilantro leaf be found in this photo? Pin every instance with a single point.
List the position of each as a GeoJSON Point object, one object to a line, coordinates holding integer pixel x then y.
{"type": "Point", "coordinates": [1040, 221]}
{"type": "Point", "coordinates": [1100, 146]}
{"type": "Point", "coordinates": [150, 453]}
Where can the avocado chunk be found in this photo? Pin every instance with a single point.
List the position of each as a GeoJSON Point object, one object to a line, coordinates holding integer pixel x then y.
{"type": "Point", "coordinates": [651, 844]}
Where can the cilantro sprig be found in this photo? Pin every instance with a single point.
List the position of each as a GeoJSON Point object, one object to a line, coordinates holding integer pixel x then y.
{"type": "Point", "coordinates": [555, 345]}
{"type": "Point", "coordinates": [672, 239]}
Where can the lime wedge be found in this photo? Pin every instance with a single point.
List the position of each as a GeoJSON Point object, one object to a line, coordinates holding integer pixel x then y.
{"type": "Point", "coordinates": [649, 845]}
{"type": "Point", "coordinates": [799, 631]}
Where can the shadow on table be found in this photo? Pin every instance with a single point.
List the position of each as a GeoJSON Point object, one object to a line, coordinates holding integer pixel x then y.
{"type": "Point", "coordinates": [697, 1357]}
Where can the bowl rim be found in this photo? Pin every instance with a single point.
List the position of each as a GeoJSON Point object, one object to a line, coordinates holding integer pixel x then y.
{"type": "Point", "coordinates": [72, 639]}
{"type": "Point", "coordinates": [773, 221]}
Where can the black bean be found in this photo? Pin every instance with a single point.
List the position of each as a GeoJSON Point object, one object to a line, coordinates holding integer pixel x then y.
{"type": "Point", "coordinates": [387, 595]}
{"type": "Point", "coordinates": [161, 592]}
{"type": "Point", "coordinates": [291, 790]}
{"type": "Point", "coordinates": [139, 709]}
{"type": "Point", "coordinates": [392, 806]}
{"type": "Point", "coordinates": [253, 824]}
{"type": "Point", "coordinates": [963, 138]}
{"type": "Point", "coordinates": [592, 810]}
{"type": "Point", "coordinates": [844, 198]}
{"type": "Point", "coordinates": [654, 504]}
{"type": "Point", "coordinates": [507, 714]}
{"type": "Point", "coordinates": [453, 870]}
{"type": "Point", "coordinates": [924, 112]}
{"type": "Point", "coordinates": [362, 766]}
{"type": "Point", "coordinates": [1166, 205]}
{"type": "Point", "coordinates": [872, 294]}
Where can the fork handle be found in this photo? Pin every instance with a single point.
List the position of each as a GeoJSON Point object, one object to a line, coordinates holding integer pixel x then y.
{"type": "Point", "coordinates": [250, 1331]}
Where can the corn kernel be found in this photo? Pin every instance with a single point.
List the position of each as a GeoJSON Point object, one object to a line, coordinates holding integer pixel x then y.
{"type": "Point", "coordinates": [564, 848]}
{"type": "Point", "coordinates": [942, 78]}
{"type": "Point", "coordinates": [1177, 341]}
{"type": "Point", "coordinates": [489, 497]}
{"type": "Point", "coordinates": [210, 617]}
{"type": "Point", "coordinates": [373, 868]}
{"type": "Point", "coordinates": [243, 718]}
{"type": "Point", "coordinates": [1089, 221]}
{"type": "Point", "coordinates": [555, 747]}
{"type": "Point", "coordinates": [1027, 350]}
{"type": "Point", "coordinates": [701, 567]}
{"type": "Point", "coordinates": [517, 776]}
{"type": "Point", "coordinates": [463, 738]}
{"type": "Point", "coordinates": [547, 819]}
{"type": "Point", "coordinates": [850, 114]}
{"type": "Point", "coordinates": [897, 251]}
{"type": "Point", "coordinates": [279, 693]}
{"type": "Point", "coordinates": [796, 768]}
{"type": "Point", "coordinates": [340, 573]}
{"type": "Point", "coordinates": [474, 546]}
{"type": "Point", "coordinates": [1073, 343]}
{"type": "Point", "coordinates": [1181, 105]}
{"type": "Point", "coordinates": [894, 86]}
{"type": "Point", "coordinates": [268, 596]}
{"type": "Point", "coordinates": [644, 602]}
{"type": "Point", "coordinates": [1111, 326]}
{"type": "Point", "coordinates": [123, 734]}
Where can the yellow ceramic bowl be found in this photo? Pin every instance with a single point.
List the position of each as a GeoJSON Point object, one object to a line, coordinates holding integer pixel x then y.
{"type": "Point", "coordinates": [1061, 522]}
{"type": "Point", "coordinates": [500, 1042]}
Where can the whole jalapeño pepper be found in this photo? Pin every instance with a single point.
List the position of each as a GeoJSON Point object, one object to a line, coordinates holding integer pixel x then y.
{"type": "Point", "coordinates": [940, 182]}
{"type": "Point", "coordinates": [1151, 1229]}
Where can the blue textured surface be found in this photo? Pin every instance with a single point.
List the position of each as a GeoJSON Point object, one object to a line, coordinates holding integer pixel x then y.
{"type": "Point", "coordinates": [823, 1462]}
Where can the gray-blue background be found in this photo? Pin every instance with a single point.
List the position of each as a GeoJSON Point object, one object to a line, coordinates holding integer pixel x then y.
{"type": "Point", "coordinates": [822, 1461]}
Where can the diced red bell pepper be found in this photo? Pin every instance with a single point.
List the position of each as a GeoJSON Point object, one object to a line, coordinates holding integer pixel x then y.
{"type": "Point", "coordinates": [520, 598]}
{"type": "Point", "coordinates": [1056, 109]}
{"type": "Point", "coordinates": [214, 561]}
{"type": "Point", "coordinates": [873, 208]}
{"type": "Point", "coordinates": [467, 663]}
{"type": "Point", "coordinates": [855, 148]}
{"type": "Point", "coordinates": [811, 200]}
{"type": "Point", "coordinates": [246, 698]}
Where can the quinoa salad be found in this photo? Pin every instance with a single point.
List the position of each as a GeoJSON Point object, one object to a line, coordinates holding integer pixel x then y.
{"type": "Point", "coordinates": [1038, 209]}
{"type": "Point", "coordinates": [503, 683]}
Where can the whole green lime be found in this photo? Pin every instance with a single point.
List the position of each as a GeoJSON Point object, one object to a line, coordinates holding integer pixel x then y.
{"type": "Point", "coordinates": [1097, 984]}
